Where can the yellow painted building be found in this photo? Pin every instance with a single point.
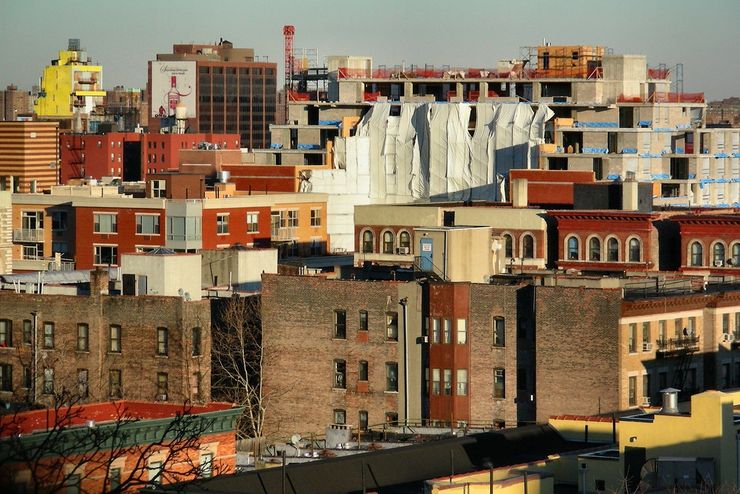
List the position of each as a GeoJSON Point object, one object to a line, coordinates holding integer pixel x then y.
{"type": "Point", "coordinates": [71, 84]}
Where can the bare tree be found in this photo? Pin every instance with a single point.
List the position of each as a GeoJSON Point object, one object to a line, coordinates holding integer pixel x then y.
{"type": "Point", "coordinates": [71, 451]}
{"type": "Point", "coordinates": [237, 360]}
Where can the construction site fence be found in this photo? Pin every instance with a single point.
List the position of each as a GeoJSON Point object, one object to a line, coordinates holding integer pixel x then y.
{"type": "Point", "coordinates": [516, 72]}
{"type": "Point", "coordinates": [664, 97]}
{"type": "Point", "coordinates": [658, 73]}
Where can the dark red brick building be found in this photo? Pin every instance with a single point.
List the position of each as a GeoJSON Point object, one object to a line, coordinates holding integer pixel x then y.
{"type": "Point", "coordinates": [710, 242]}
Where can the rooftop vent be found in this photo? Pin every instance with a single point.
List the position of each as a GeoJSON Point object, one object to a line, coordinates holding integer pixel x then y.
{"type": "Point", "coordinates": [670, 401]}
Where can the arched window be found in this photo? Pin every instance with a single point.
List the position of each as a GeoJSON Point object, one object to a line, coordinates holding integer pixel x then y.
{"type": "Point", "coordinates": [387, 243]}
{"type": "Point", "coordinates": [634, 250]}
{"type": "Point", "coordinates": [404, 240]}
{"type": "Point", "coordinates": [528, 246]}
{"type": "Point", "coordinates": [573, 248]}
{"type": "Point", "coordinates": [697, 254]}
{"type": "Point", "coordinates": [612, 250]}
{"type": "Point", "coordinates": [367, 241]}
{"type": "Point", "coordinates": [508, 245]}
{"type": "Point", "coordinates": [736, 255]}
{"type": "Point", "coordinates": [718, 254]}
{"type": "Point", "coordinates": [594, 249]}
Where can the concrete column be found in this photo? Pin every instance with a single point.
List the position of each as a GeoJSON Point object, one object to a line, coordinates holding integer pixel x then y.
{"type": "Point", "coordinates": [629, 195]}
{"type": "Point", "coordinates": [408, 89]}
{"type": "Point", "coordinates": [519, 191]}
{"type": "Point", "coordinates": [483, 89]}
{"type": "Point", "coordinates": [459, 90]}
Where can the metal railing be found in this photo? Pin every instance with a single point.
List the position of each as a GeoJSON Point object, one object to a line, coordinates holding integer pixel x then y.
{"type": "Point", "coordinates": [286, 233]}
{"type": "Point", "coordinates": [28, 235]}
{"type": "Point", "coordinates": [682, 343]}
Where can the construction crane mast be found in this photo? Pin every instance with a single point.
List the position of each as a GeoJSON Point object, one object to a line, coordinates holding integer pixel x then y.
{"type": "Point", "coordinates": [288, 34]}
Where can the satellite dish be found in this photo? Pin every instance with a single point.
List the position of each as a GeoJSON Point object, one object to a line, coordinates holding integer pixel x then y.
{"type": "Point", "coordinates": [295, 439]}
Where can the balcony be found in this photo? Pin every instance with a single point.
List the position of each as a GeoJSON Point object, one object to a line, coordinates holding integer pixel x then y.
{"type": "Point", "coordinates": [683, 344]}
{"type": "Point", "coordinates": [28, 235]}
{"type": "Point", "coordinates": [285, 233]}
{"type": "Point", "coordinates": [43, 264]}
{"type": "Point", "coordinates": [399, 257]}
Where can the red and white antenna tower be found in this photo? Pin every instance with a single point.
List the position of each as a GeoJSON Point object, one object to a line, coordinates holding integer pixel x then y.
{"type": "Point", "coordinates": [288, 34]}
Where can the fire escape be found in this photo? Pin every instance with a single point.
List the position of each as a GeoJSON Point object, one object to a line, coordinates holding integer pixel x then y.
{"type": "Point", "coordinates": [682, 350]}
{"type": "Point", "coordinates": [76, 157]}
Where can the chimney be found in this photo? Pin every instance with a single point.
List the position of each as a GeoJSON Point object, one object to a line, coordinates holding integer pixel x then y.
{"type": "Point", "coordinates": [99, 280]}
{"type": "Point", "coordinates": [519, 191]}
{"type": "Point", "coordinates": [670, 401]}
{"type": "Point", "coordinates": [630, 199]}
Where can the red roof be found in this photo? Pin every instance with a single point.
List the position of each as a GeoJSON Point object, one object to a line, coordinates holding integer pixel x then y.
{"type": "Point", "coordinates": [36, 420]}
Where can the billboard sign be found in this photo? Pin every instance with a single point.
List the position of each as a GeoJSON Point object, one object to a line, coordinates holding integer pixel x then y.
{"type": "Point", "coordinates": [172, 83]}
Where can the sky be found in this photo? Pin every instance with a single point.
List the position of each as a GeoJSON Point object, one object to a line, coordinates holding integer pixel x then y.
{"type": "Point", "coordinates": [123, 35]}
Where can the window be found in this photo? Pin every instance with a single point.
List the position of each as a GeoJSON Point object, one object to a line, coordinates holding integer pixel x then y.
{"type": "Point", "coordinates": [462, 332]}
{"type": "Point", "coordinates": [362, 376]}
{"type": "Point", "coordinates": [612, 250]}
{"type": "Point", "coordinates": [367, 241]}
{"type": "Point", "coordinates": [206, 465]}
{"type": "Point", "coordinates": [404, 240]}
{"type": "Point", "coordinates": [147, 224]}
{"type": "Point", "coordinates": [594, 249]}
{"type": "Point", "coordinates": [737, 326]}
{"type": "Point", "coordinates": [59, 220]}
{"type": "Point", "coordinates": [632, 391]}
{"type": "Point", "coordinates": [499, 332]}
{"type": "Point", "coordinates": [436, 383]}
{"type": "Point", "coordinates": [253, 222]}
{"type": "Point", "coordinates": [106, 255]}
{"type": "Point", "coordinates": [222, 224]}
{"type": "Point", "coordinates": [388, 243]}
{"type": "Point", "coordinates": [391, 376]}
{"type": "Point", "coordinates": [83, 338]}
{"type": "Point", "coordinates": [391, 326]}
{"type": "Point", "coordinates": [736, 254]}
{"type": "Point", "coordinates": [508, 245]}
{"type": "Point", "coordinates": [27, 379]}
{"type": "Point", "coordinates": [292, 218]}
{"type": "Point", "coordinates": [528, 246]}
{"type": "Point", "coordinates": [697, 254]}
{"type": "Point", "coordinates": [632, 338]}
{"type": "Point", "coordinates": [82, 383]}
{"type": "Point", "coordinates": [6, 377]}
{"type": "Point", "coordinates": [340, 324]}
{"type": "Point", "coordinates": [435, 330]}
{"type": "Point", "coordinates": [315, 217]}
{"type": "Point", "coordinates": [340, 416]}
{"type": "Point", "coordinates": [48, 335]}
{"type": "Point", "coordinates": [340, 374]}
{"type": "Point", "coordinates": [162, 385]}
{"type": "Point", "coordinates": [363, 420]}
{"type": "Point", "coordinates": [499, 384]}
{"type": "Point", "coordinates": [27, 331]}
{"type": "Point", "coordinates": [646, 386]}
{"type": "Point", "coordinates": [718, 254]}
{"type": "Point", "coordinates": [196, 342]}
{"type": "Point", "coordinates": [447, 382]}
{"type": "Point", "coordinates": [391, 418]}
{"type": "Point", "coordinates": [363, 320]}
{"type": "Point", "coordinates": [447, 331]}
{"type": "Point", "coordinates": [155, 472]}
{"type": "Point", "coordinates": [677, 325]}
{"type": "Point", "coordinates": [183, 228]}
{"type": "Point", "coordinates": [634, 250]}
{"type": "Point", "coordinates": [572, 248]}
{"type": "Point", "coordinates": [6, 333]}
{"type": "Point", "coordinates": [105, 223]}
{"type": "Point", "coordinates": [462, 382]}
{"type": "Point", "coordinates": [645, 333]}
{"type": "Point", "coordinates": [48, 381]}
{"type": "Point", "coordinates": [115, 339]}
{"type": "Point", "coordinates": [725, 323]}
{"type": "Point", "coordinates": [114, 383]}
{"type": "Point", "coordinates": [163, 338]}
{"type": "Point", "coordinates": [692, 325]}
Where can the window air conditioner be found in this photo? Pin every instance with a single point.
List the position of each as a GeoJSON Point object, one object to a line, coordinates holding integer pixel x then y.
{"type": "Point", "coordinates": [728, 337]}
{"type": "Point", "coordinates": [646, 401]}
{"type": "Point", "coordinates": [647, 347]}
{"type": "Point", "coordinates": [404, 250]}
{"type": "Point", "coordinates": [161, 397]}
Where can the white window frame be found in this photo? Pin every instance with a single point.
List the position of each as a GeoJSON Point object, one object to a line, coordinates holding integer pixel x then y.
{"type": "Point", "coordinates": [95, 255]}
{"type": "Point", "coordinates": [253, 222]}
{"type": "Point", "coordinates": [157, 226]}
{"type": "Point", "coordinates": [96, 222]}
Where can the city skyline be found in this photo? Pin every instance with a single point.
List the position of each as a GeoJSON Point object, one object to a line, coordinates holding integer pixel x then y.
{"type": "Point", "coordinates": [124, 39]}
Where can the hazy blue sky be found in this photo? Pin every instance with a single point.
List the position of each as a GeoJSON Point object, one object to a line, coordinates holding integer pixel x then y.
{"type": "Point", "coordinates": [123, 34]}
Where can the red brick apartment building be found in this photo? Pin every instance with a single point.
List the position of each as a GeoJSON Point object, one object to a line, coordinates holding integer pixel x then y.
{"type": "Point", "coordinates": [710, 242]}
{"type": "Point", "coordinates": [504, 353]}
{"type": "Point", "coordinates": [129, 155]}
{"type": "Point", "coordinates": [104, 346]}
{"type": "Point", "coordinates": [126, 445]}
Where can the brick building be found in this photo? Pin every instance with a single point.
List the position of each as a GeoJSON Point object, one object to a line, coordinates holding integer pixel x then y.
{"type": "Point", "coordinates": [129, 155]}
{"type": "Point", "coordinates": [29, 153]}
{"type": "Point", "coordinates": [104, 346]}
{"type": "Point", "coordinates": [710, 243]}
{"type": "Point", "coordinates": [70, 446]}
{"type": "Point", "coordinates": [504, 353]}
{"type": "Point", "coordinates": [224, 89]}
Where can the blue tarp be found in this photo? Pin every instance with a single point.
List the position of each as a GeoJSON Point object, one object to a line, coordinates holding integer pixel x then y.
{"type": "Point", "coordinates": [309, 146]}
{"type": "Point", "coordinates": [629, 150]}
{"type": "Point", "coordinates": [275, 145]}
{"type": "Point", "coordinates": [330, 122]}
{"type": "Point", "coordinates": [596, 124]}
{"type": "Point", "coordinates": [596, 150]}
{"type": "Point", "coordinates": [644, 123]}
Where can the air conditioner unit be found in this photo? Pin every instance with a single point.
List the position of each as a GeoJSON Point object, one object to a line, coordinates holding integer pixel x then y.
{"type": "Point", "coordinates": [728, 337]}
{"type": "Point", "coordinates": [719, 263]}
{"type": "Point", "coordinates": [647, 347]}
{"type": "Point", "coordinates": [161, 397]}
{"type": "Point", "coordinates": [404, 250]}
{"type": "Point", "coordinates": [646, 401]}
